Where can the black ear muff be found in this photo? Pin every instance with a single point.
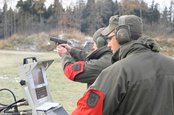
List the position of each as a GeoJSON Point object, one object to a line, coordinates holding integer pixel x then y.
{"type": "Point", "coordinates": [123, 34]}
{"type": "Point", "coordinates": [101, 41]}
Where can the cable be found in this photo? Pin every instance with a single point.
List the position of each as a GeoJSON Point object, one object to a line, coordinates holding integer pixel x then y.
{"type": "Point", "coordinates": [14, 97]}
{"type": "Point", "coordinates": [13, 105]}
{"type": "Point", "coordinates": [5, 108]}
{"type": "Point", "coordinates": [3, 104]}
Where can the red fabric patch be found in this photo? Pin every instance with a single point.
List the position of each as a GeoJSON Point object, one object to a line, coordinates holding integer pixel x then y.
{"type": "Point", "coordinates": [84, 109]}
{"type": "Point", "coordinates": [70, 73]}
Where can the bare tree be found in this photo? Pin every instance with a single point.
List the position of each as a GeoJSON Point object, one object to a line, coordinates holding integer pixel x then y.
{"type": "Point", "coordinates": [5, 18]}
{"type": "Point", "coordinates": [171, 10]}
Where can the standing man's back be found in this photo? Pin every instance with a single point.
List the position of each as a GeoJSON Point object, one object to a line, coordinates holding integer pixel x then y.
{"type": "Point", "coordinates": [142, 83]}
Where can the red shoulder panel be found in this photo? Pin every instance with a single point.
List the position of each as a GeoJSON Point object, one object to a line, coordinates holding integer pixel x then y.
{"type": "Point", "coordinates": [90, 104]}
{"type": "Point", "coordinates": [74, 69]}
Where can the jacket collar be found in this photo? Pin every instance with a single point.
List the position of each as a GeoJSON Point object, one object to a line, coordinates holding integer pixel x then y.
{"type": "Point", "coordinates": [99, 52]}
{"type": "Point", "coordinates": [144, 43]}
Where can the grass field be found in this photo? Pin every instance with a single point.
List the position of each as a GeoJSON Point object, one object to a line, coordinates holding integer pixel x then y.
{"type": "Point", "coordinates": [63, 90]}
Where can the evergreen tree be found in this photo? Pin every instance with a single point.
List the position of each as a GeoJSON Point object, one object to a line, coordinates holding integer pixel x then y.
{"type": "Point", "coordinates": [108, 10]}
{"type": "Point", "coordinates": [98, 15]}
{"type": "Point", "coordinates": [153, 15]}
{"type": "Point", "coordinates": [171, 14]}
{"type": "Point", "coordinates": [58, 13]}
{"type": "Point", "coordinates": [39, 8]}
{"type": "Point", "coordinates": [88, 17]}
{"type": "Point", "coordinates": [171, 11]}
{"type": "Point", "coordinates": [10, 21]}
{"type": "Point", "coordinates": [48, 12]}
{"type": "Point", "coordinates": [77, 13]}
{"type": "Point", "coordinates": [24, 16]}
{"type": "Point", "coordinates": [156, 13]}
{"type": "Point", "coordinates": [164, 18]}
{"type": "Point", "coordinates": [5, 20]}
{"type": "Point", "coordinates": [116, 10]}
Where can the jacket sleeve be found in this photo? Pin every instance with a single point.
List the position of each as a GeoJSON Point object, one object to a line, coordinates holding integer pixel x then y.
{"type": "Point", "coordinates": [86, 71]}
{"type": "Point", "coordinates": [90, 104]}
{"type": "Point", "coordinates": [73, 56]}
{"type": "Point", "coordinates": [67, 59]}
{"type": "Point", "coordinates": [72, 67]}
{"type": "Point", "coordinates": [113, 89]}
{"type": "Point", "coordinates": [78, 54]}
{"type": "Point", "coordinates": [92, 69]}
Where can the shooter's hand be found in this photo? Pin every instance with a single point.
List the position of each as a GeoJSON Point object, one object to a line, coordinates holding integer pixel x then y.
{"type": "Point", "coordinates": [61, 50]}
{"type": "Point", "coordinates": [68, 47]}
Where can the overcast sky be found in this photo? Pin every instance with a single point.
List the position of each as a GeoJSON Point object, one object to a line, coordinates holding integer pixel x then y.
{"type": "Point", "coordinates": [162, 3]}
{"type": "Point", "coordinates": [65, 3]}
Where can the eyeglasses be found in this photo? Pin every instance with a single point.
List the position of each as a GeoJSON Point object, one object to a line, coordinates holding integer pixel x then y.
{"type": "Point", "coordinates": [110, 37]}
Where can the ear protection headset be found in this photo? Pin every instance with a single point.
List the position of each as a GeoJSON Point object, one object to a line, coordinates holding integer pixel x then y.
{"type": "Point", "coordinates": [101, 41]}
{"type": "Point", "coordinates": [123, 34]}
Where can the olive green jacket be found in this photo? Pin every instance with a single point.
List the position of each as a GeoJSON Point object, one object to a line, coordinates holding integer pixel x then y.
{"type": "Point", "coordinates": [140, 83]}
{"type": "Point", "coordinates": [93, 63]}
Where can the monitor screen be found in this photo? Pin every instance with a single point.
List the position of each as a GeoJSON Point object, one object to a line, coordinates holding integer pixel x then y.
{"type": "Point", "coordinates": [39, 83]}
{"type": "Point", "coordinates": [38, 77]}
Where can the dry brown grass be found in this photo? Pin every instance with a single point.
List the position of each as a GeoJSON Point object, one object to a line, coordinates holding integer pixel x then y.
{"type": "Point", "coordinates": [41, 41]}
{"type": "Point", "coordinates": [167, 45]}
{"type": "Point", "coordinates": [69, 33]}
{"type": "Point", "coordinates": [34, 42]}
{"type": "Point", "coordinates": [7, 42]}
{"type": "Point", "coordinates": [38, 42]}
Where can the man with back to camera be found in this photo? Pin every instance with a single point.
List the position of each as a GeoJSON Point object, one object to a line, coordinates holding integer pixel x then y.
{"type": "Point", "coordinates": [78, 68]}
{"type": "Point", "coordinates": [140, 83]}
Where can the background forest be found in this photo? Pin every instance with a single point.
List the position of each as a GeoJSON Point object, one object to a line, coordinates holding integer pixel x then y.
{"type": "Point", "coordinates": [31, 17]}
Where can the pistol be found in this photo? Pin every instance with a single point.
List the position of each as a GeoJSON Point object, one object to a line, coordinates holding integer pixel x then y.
{"type": "Point", "coordinates": [58, 40]}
